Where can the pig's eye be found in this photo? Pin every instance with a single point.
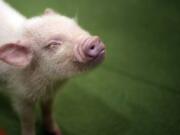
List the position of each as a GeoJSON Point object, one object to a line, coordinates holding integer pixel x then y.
{"type": "Point", "coordinates": [53, 45]}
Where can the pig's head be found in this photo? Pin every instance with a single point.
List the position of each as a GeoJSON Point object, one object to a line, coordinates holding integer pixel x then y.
{"type": "Point", "coordinates": [55, 45]}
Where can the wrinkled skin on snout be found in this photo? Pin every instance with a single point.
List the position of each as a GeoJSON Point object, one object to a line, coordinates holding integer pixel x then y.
{"type": "Point", "coordinates": [50, 49]}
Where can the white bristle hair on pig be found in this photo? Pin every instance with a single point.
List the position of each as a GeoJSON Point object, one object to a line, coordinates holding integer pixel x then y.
{"type": "Point", "coordinates": [37, 56]}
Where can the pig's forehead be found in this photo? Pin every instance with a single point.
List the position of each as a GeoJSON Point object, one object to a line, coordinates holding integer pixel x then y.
{"type": "Point", "coordinates": [46, 27]}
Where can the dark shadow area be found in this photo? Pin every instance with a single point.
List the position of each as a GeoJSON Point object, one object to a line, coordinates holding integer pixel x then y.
{"type": "Point", "coordinates": [8, 118]}
{"type": "Point", "coordinates": [82, 113]}
{"type": "Point", "coordinates": [153, 126]}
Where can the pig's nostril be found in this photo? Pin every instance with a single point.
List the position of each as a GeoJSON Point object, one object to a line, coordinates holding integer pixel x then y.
{"type": "Point", "coordinates": [92, 50]}
{"type": "Point", "coordinates": [92, 47]}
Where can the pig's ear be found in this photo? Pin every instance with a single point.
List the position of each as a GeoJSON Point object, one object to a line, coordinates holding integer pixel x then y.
{"type": "Point", "coordinates": [49, 11]}
{"type": "Point", "coordinates": [16, 55]}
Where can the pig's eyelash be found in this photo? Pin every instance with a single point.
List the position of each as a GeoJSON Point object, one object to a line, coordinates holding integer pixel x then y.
{"type": "Point", "coordinates": [53, 44]}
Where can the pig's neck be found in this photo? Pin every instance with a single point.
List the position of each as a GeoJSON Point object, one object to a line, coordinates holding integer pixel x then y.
{"type": "Point", "coordinates": [33, 84]}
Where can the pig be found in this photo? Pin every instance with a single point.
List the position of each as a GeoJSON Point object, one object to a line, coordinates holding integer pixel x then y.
{"type": "Point", "coordinates": [37, 56]}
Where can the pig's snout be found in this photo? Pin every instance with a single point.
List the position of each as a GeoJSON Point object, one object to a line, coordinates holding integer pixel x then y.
{"type": "Point", "coordinates": [94, 48]}
{"type": "Point", "coordinates": [90, 50]}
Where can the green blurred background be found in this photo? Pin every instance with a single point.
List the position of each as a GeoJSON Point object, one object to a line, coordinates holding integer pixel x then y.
{"type": "Point", "coordinates": [136, 90]}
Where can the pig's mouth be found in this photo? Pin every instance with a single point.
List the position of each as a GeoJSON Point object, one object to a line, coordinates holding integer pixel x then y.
{"type": "Point", "coordinates": [97, 59]}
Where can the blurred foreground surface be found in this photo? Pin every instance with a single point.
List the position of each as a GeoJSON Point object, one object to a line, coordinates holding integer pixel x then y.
{"type": "Point", "coordinates": [136, 91]}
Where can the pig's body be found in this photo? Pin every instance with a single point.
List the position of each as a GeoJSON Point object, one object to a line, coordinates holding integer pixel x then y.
{"type": "Point", "coordinates": [10, 22]}
{"type": "Point", "coordinates": [37, 56]}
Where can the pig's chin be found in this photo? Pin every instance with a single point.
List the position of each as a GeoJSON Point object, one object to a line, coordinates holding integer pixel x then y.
{"type": "Point", "coordinates": [96, 61]}
{"type": "Point", "coordinates": [91, 63]}
{"type": "Point", "coordinates": [77, 68]}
